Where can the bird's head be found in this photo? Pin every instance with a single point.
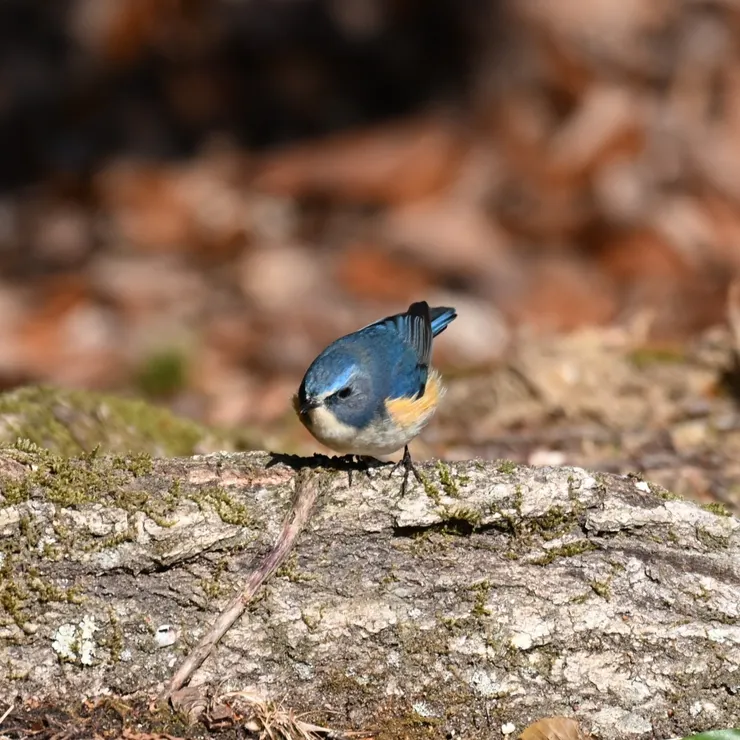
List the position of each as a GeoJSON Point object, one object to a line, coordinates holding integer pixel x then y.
{"type": "Point", "coordinates": [336, 382]}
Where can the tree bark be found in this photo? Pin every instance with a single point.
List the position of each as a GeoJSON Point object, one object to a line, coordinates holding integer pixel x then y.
{"type": "Point", "coordinates": [492, 594]}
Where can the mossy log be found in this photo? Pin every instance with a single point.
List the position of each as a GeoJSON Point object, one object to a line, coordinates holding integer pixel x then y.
{"type": "Point", "coordinates": [70, 422]}
{"type": "Point", "coordinates": [490, 594]}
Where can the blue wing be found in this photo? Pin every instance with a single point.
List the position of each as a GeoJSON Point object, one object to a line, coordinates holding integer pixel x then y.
{"type": "Point", "coordinates": [416, 328]}
{"type": "Point", "coordinates": [419, 325]}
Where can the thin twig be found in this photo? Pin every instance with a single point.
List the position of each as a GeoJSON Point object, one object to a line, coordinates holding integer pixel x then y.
{"type": "Point", "coordinates": [305, 496]}
{"type": "Point", "coordinates": [733, 313]}
{"type": "Point", "coordinates": [6, 713]}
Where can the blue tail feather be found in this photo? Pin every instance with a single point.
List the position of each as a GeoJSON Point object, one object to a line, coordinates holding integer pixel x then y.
{"type": "Point", "coordinates": [442, 317]}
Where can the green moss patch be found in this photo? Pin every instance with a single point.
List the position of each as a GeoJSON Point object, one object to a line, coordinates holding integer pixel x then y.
{"type": "Point", "coordinates": [69, 422]}
{"type": "Point", "coordinates": [566, 551]}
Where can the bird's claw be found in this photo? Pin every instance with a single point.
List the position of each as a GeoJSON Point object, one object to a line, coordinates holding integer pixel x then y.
{"type": "Point", "coordinates": [364, 463]}
{"type": "Point", "coordinates": [408, 467]}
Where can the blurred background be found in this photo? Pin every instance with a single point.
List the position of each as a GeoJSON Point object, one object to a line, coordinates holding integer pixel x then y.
{"type": "Point", "coordinates": [196, 196]}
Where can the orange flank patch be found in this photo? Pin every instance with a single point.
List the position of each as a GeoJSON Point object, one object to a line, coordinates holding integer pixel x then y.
{"type": "Point", "coordinates": [296, 404]}
{"type": "Point", "coordinates": [408, 412]}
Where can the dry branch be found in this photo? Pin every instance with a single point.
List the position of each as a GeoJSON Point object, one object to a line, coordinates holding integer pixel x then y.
{"type": "Point", "coordinates": [306, 491]}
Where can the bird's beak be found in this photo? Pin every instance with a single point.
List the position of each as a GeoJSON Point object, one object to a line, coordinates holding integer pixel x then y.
{"type": "Point", "coordinates": [308, 405]}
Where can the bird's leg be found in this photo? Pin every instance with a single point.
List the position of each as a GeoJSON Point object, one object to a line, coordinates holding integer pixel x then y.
{"type": "Point", "coordinates": [359, 462]}
{"type": "Point", "coordinates": [353, 462]}
{"type": "Point", "coordinates": [408, 467]}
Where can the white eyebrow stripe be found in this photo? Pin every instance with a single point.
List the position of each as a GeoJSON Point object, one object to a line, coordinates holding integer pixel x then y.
{"type": "Point", "coordinates": [340, 381]}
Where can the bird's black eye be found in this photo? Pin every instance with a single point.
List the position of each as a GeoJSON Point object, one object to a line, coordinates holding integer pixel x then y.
{"type": "Point", "coordinates": [344, 393]}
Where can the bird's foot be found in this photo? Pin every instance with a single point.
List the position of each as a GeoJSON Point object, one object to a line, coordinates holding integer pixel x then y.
{"type": "Point", "coordinates": [361, 463]}
{"type": "Point", "coordinates": [408, 468]}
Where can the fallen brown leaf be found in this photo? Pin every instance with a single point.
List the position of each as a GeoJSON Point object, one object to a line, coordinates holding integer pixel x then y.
{"type": "Point", "coordinates": [554, 728]}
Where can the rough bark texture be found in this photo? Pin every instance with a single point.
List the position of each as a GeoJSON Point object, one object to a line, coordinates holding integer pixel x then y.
{"type": "Point", "coordinates": [492, 594]}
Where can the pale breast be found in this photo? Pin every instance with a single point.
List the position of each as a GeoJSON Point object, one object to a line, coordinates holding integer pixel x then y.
{"type": "Point", "coordinates": [330, 431]}
{"type": "Point", "coordinates": [404, 420]}
{"type": "Point", "coordinates": [381, 437]}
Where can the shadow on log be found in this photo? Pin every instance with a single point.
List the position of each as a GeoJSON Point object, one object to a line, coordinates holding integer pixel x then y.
{"type": "Point", "coordinates": [490, 594]}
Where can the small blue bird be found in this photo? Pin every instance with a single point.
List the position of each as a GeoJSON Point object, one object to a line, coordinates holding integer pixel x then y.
{"type": "Point", "coordinates": [371, 392]}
